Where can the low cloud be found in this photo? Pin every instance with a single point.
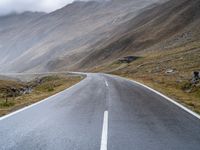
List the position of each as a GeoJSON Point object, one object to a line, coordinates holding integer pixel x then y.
{"type": "Point", "coordinates": [10, 6]}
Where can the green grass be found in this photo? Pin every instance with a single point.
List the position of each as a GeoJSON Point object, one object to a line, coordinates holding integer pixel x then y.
{"type": "Point", "coordinates": [4, 104]}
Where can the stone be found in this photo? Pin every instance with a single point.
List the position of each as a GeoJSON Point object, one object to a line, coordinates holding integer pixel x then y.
{"type": "Point", "coordinates": [128, 59]}
{"type": "Point", "coordinates": [196, 77]}
{"type": "Point", "coordinates": [169, 71]}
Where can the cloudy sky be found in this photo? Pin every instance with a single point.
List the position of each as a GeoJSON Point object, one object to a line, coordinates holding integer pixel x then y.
{"type": "Point", "coordinates": [9, 6]}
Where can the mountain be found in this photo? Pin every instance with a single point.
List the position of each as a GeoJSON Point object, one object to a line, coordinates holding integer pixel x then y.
{"type": "Point", "coordinates": [82, 35]}
{"type": "Point", "coordinates": [160, 27]}
{"type": "Point", "coordinates": [10, 27]}
{"type": "Point", "coordinates": [63, 37]}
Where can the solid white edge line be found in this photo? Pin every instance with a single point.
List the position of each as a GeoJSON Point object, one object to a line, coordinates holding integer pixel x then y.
{"type": "Point", "coordinates": [169, 99]}
{"type": "Point", "coordinates": [164, 96]}
{"type": "Point", "coordinates": [37, 103]}
{"type": "Point", "coordinates": [104, 138]}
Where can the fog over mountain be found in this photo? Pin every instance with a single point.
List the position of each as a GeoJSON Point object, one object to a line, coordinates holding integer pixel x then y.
{"type": "Point", "coordinates": [19, 6]}
{"type": "Point", "coordinates": [85, 34]}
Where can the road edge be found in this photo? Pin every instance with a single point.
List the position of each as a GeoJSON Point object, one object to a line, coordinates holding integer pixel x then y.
{"type": "Point", "coordinates": [162, 95]}
{"type": "Point", "coordinates": [37, 103]}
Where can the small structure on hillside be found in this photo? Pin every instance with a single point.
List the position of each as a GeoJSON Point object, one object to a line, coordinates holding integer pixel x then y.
{"type": "Point", "coordinates": [128, 59]}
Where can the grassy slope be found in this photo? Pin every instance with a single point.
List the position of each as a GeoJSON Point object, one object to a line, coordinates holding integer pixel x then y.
{"type": "Point", "coordinates": [168, 24]}
{"type": "Point", "coordinates": [151, 70]}
{"type": "Point", "coordinates": [50, 85]}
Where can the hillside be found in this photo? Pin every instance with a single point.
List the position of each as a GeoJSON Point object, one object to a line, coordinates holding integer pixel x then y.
{"type": "Point", "coordinates": [164, 26]}
{"type": "Point", "coordinates": [84, 35]}
{"type": "Point", "coordinates": [10, 27]}
{"type": "Point", "coordinates": [62, 38]}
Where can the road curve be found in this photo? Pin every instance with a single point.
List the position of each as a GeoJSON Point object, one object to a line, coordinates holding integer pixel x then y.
{"type": "Point", "coordinates": [102, 112]}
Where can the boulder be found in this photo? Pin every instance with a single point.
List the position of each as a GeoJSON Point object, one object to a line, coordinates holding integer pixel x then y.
{"type": "Point", "coordinates": [128, 59]}
{"type": "Point", "coordinates": [196, 77]}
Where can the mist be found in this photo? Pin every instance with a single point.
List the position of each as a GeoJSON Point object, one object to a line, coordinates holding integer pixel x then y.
{"type": "Point", "coordinates": [18, 6]}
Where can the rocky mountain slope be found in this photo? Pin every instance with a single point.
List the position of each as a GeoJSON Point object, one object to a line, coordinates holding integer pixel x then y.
{"type": "Point", "coordinates": [44, 42]}
{"type": "Point", "coordinates": [86, 34]}
{"type": "Point", "coordinates": [160, 27]}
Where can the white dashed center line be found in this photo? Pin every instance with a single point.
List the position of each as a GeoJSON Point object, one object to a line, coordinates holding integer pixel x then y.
{"type": "Point", "coordinates": [104, 138]}
{"type": "Point", "coordinates": [106, 83]}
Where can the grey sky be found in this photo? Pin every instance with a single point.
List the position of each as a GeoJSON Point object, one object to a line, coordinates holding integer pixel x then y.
{"type": "Point", "coordinates": [9, 6]}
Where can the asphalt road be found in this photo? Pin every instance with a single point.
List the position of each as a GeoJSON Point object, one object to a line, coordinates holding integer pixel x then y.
{"type": "Point", "coordinates": [102, 113]}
